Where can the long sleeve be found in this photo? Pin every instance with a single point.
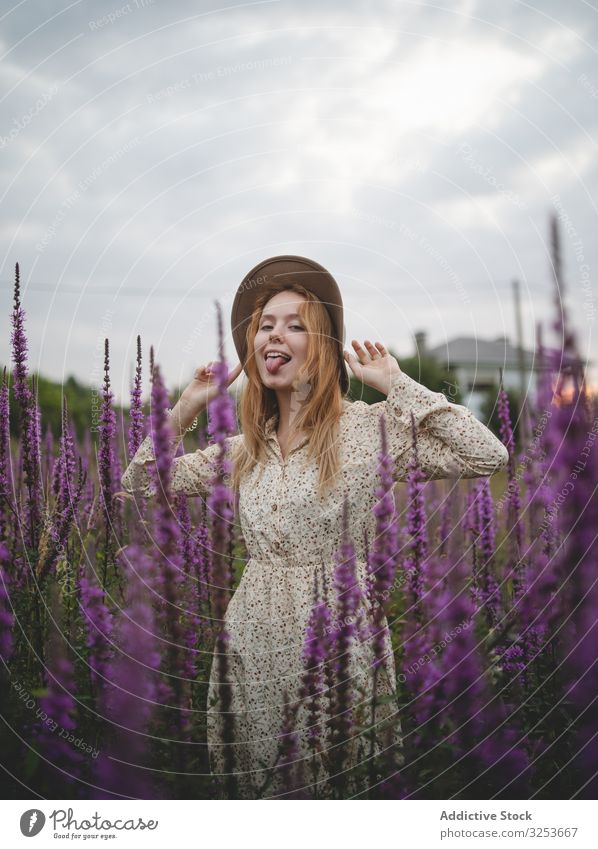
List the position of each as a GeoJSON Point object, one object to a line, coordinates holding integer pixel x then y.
{"type": "Point", "coordinates": [190, 472]}
{"type": "Point", "coordinates": [451, 441]}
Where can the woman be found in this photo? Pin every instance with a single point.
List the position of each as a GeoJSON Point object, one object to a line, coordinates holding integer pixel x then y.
{"type": "Point", "coordinates": [304, 447]}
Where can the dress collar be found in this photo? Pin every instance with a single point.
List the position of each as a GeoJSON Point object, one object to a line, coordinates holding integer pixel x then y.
{"type": "Point", "coordinates": [270, 429]}
{"type": "Point", "coordinates": [271, 424]}
{"type": "Point", "coordinates": [272, 438]}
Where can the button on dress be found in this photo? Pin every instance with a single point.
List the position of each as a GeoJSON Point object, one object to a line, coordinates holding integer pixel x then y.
{"type": "Point", "coordinates": [291, 537]}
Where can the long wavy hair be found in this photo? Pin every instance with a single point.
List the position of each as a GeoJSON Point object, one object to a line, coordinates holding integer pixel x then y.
{"type": "Point", "coordinates": [322, 406]}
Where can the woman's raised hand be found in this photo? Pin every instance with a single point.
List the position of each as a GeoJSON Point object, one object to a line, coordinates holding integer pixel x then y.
{"type": "Point", "coordinates": [373, 365]}
{"type": "Point", "coordinates": [204, 385]}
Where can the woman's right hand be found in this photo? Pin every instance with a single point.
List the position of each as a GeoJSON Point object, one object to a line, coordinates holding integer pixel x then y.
{"type": "Point", "coordinates": [204, 385]}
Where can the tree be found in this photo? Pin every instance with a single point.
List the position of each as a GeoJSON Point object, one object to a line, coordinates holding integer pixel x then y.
{"type": "Point", "coordinates": [424, 369]}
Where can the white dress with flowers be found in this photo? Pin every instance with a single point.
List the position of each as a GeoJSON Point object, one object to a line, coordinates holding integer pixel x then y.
{"type": "Point", "coordinates": [291, 537]}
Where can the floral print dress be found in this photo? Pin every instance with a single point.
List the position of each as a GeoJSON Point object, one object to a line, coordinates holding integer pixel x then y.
{"type": "Point", "coordinates": [291, 538]}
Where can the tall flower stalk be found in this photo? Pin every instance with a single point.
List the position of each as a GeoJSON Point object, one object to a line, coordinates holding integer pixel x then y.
{"type": "Point", "coordinates": [136, 416]}
{"type": "Point", "coordinates": [381, 567]}
{"type": "Point", "coordinates": [317, 652]}
{"type": "Point", "coordinates": [7, 619]}
{"type": "Point", "coordinates": [107, 432]}
{"type": "Point", "coordinates": [29, 422]}
{"type": "Point", "coordinates": [130, 697]}
{"type": "Point", "coordinates": [219, 503]}
{"type": "Point", "coordinates": [348, 610]}
{"type": "Point", "coordinates": [7, 508]}
{"type": "Point", "coordinates": [489, 589]}
{"type": "Point", "coordinates": [416, 530]}
{"type": "Point", "coordinates": [97, 620]}
{"type": "Point", "coordinates": [288, 760]}
{"type": "Point", "coordinates": [167, 536]}
{"type": "Point", "coordinates": [383, 552]}
{"type": "Point", "coordinates": [57, 717]}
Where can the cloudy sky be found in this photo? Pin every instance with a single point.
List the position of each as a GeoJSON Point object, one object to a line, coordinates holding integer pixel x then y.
{"type": "Point", "coordinates": [151, 153]}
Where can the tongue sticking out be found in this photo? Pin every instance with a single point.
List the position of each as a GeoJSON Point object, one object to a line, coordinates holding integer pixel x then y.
{"type": "Point", "coordinates": [273, 364]}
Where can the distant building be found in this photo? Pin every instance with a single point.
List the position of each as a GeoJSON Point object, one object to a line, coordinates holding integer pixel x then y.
{"type": "Point", "coordinates": [476, 363]}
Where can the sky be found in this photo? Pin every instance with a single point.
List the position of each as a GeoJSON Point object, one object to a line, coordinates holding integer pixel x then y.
{"type": "Point", "coordinates": [152, 153]}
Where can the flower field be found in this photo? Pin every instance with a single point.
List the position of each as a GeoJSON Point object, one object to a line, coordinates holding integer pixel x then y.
{"type": "Point", "coordinates": [112, 610]}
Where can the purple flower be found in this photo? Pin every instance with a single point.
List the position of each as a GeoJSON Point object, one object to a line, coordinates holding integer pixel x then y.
{"type": "Point", "coordinates": [65, 466]}
{"type": "Point", "coordinates": [55, 538]}
{"type": "Point", "coordinates": [167, 535]}
{"type": "Point", "coordinates": [191, 619]}
{"type": "Point", "coordinates": [219, 504]}
{"type": "Point", "coordinates": [56, 719]}
{"type": "Point", "coordinates": [416, 530]}
{"type": "Point", "coordinates": [6, 616]}
{"type": "Point", "coordinates": [317, 681]}
{"type": "Point", "coordinates": [136, 416]}
{"type": "Point", "coordinates": [19, 346]}
{"type": "Point", "coordinates": [29, 419]}
{"type": "Point", "coordinates": [49, 454]}
{"type": "Point", "coordinates": [348, 611]}
{"type": "Point", "coordinates": [381, 565]}
{"type": "Point", "coordinates": [491, 753]}
{"type": "Point", "coordinates": [130, 697]}
{"type": "Point", "coordinates": [490, 591]}
{"type": "Point", "coordinates": [383, 553]}
{"type": "Point", "coordinates": [289, 760]}
{"type": "Point", "coordinates": [445, 524]}
{"type": "Point", "coordinates": [6, 499]}
{"type": "Point", "coordinates": [317, 649]}
{"type": "Point", "coordinates": [98, 624]}
{"type": "Point", "coordinates": [107, 431]}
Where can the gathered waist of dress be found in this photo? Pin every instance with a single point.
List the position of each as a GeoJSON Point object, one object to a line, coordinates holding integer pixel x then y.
{"type": "Point", "coordinates": [294, 562]}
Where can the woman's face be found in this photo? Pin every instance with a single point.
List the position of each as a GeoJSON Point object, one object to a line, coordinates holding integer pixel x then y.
{"type": "Point", "coordinates": [281, 330]}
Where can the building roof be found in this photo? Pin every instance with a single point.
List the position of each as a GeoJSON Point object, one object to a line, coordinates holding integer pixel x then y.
{"type": "Point", "coordinates": [472, 351]}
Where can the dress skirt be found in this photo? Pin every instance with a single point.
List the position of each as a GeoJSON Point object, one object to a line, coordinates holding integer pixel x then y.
{"type": "Point", "coordinates": [266, 622]}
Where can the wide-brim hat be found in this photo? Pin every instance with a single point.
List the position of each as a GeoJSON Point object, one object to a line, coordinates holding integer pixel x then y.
{"type": "Point", "coordinates": [286, 269]}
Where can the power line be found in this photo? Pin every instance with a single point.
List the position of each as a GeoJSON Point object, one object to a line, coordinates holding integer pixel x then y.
{"type": "Point", "coordinates": [66, 290]}
{"type": "Point", "coordinates": [136, 292]}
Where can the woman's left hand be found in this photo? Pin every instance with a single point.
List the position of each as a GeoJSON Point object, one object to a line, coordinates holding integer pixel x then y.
{"type": "Point", "coordinates": [373, 365]}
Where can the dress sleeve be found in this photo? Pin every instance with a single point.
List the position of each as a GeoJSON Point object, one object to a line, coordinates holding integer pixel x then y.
{"type": "Point", "coordinates": [451, 441]}
{"type": "Point", "coordinates": [191, 472]}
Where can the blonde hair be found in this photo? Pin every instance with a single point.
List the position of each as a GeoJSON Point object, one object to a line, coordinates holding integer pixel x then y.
{"type": "Point", "coordinates": [320, 411]}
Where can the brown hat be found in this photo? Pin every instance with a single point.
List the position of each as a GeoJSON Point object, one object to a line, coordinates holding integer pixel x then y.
{"type": "Point", "coordinates": [283, 269]}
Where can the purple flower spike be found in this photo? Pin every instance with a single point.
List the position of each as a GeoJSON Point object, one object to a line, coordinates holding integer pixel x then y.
{"type": "Point", "coordinates": [416, 530]}
{"type": "Point", "coordinates": [383, 553]}
{"type": "Point", "coordinates": [129, 700]}
{"type": "Point", "coordinates": [98, 623]}
{"type": "Point", "coordinates": [6, 496]}
{"type": "Point", "coordinates": [136, 433]}
{"type": "Point", "coordinates": [30, 423]}
{"type": "Point", "coordinates": [7, 619]}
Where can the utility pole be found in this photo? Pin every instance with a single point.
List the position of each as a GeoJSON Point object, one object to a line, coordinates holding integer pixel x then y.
{"type": "Point", "coordinates": [524, 411]}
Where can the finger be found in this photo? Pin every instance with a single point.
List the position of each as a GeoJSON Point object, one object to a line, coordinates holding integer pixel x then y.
{"type": "Point", "coordinates": [373, 352]}
{"type": "Point", "coordinates": [233, 375]}
{"type": "Point", "coordinates": [361, 353]}
{"type": "Point", "coordinates": [381, 348]}
{"type": "Point", "coordinates": [203, 372]}
{"type": "Point", "coordinates": [353, 363]}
